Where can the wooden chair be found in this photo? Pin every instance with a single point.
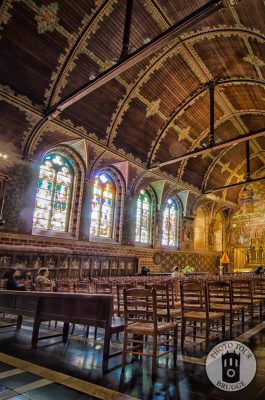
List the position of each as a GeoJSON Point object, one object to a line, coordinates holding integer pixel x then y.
{"type": "Point", "coordinates": [221, 300]}
{"type": "Point", "coordinates": [81, 287]}
{"type": "Point", "coordinates": [141, 321]}
{"type": "Point", "coordinates": [165, 310]}
{"type": "Point", "coordinates": [195, 309]}
{"type": "Point", "coordinates": [120, 296]}
{"type": "Point", "coordinates": [242, 293]}
{"type": "Point", "coordinates": [44, 287]}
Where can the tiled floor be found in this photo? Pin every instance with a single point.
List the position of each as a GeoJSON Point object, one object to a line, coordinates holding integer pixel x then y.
{"type": "Point", "coordinates": [18, 384]}
{"type": "Point", "coordinates": [58, 371]}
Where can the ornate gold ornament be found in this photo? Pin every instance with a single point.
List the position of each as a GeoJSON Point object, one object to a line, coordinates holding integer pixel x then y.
{"type": "Point", "coordinates": [152, 108]}
{"type": "Point", "coordinates": [47, 18]}
{"type": "Point", "coordinates": [254, 60]}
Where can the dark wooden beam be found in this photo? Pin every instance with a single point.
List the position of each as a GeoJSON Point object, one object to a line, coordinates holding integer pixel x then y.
{"type": "Point", "coordinates": [247, 161]}
{"type": "Point", "coordinates": [155, 45]}
{"type": "Point", "coordinates": [127, 30]}
{"type": "Point", "coordinates": [209, 191]}
{"type": "Point", "coordinates": [230, 142]}
{"type": "Point", "coordinates": [211, 90]}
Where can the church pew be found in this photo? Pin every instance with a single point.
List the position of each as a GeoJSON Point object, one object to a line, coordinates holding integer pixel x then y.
{"type": "Point", "coordinates": [84, 309]}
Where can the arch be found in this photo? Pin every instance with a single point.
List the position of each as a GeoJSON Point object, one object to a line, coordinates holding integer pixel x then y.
{"type": "Point", "coordinates": [54, 193]}
{"type": "Point", "coordinates": [192, 98]}
{"type": "Point", "coordinates": [170, 223]}
{"type": "Point", "coordinates": [156, 63]}
{"type": "Point", "coordinates": [79, 171]}
{"type": "Point", "coordinates": [113, 204]}
{"type": "Point", "coordinates": [103, 206]}
{"type": "Point", "coordinates": [63, 71]}
{"type": "Point", "coordinates": [143, 231]}
{"type": "Point", "coordinates": [226, 150]}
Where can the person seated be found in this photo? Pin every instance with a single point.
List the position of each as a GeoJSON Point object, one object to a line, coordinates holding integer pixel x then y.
{"type": "Point", "coordinates": [258, 271]}
{"type": "Point", "coordinates": [26, 276]}
{"type": "Point", "coordinates": [145, 271]}
{"type": "Point", "coordinates": [11, 276]}
{"type": "Point", "coordinates": [175, 272]}
{"type": "Point", "coordinates": [42, 277]}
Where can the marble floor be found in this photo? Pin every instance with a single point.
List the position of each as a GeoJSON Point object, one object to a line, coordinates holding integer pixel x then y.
{"type": "Point", "coordinates": [73, 371]}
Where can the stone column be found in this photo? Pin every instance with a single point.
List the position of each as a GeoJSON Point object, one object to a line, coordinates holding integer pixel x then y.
{"type": "Point", "coordinates": [3, 179]}
{"type": "Point", "coordinates": [157, 228]}
{"type": "Point", "coordinates": [129, 219]}
{"type": "Point", "coordinates": [84, 228]}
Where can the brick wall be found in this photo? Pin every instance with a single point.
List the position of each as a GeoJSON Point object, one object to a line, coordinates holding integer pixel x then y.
{"type": "Point", "coordinates": [39, 244]}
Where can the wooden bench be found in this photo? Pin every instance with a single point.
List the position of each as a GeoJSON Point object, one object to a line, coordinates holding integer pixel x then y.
{"type": "Point", "coordinates": [85, 309]}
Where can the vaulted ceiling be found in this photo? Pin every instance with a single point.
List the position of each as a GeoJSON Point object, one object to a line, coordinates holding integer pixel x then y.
{"type": "Point", "coordinates": [157, 109]}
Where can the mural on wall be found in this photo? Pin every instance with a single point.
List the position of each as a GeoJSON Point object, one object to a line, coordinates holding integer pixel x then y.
{"type": "Point", "coordinates": [187, 234]}
{"type": "Point", "coordinates": [200, 262]}
{"type": "Point", "coordinates": [14, 200]}
{"type": "Point", "coordinates": [247, 227]}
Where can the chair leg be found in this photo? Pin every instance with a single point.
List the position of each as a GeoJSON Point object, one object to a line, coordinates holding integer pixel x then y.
{"type": "Point", "coordinates": [194, 331]}
{"type": "Point", "coordinates": [19, 321]}
{"type": "Point", "coordinates": [252, 314]}
{"type": "Point", "coordinates": [87, 332]}
{"type": "Point", "coordinates": [231, 318]}
{"type": "Point", "coordinates": [154, 353]}
{"type": "Point", "coordinates": [175, 351]}
{"type": "Point", "coordinates": [95, 332]}
{"type": "Point", "coordinates": [243, 319]}
{"type": "Point", "coordinates": [183, 332]}
{"type": "Point", "coordinates": [65, 331]}
{"type": "Point", "coordinates": [223, 328]}
{"type": "Point", "coordinates": [207, 332]}
{"type": "Point", "coordinates": [124, 350]}
{"type": "Point", "coordinates": [73, 329]}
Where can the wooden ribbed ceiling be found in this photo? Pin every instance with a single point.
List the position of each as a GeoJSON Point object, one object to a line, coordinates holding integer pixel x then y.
{"type": "Point", "coordinates": [154, 111]}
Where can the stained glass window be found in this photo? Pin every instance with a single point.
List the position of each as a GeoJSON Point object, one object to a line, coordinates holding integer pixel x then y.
{"type": "Point", "coordinates": [170, 223]}
{"type": "Point", "coordinates": [53, 200]}
{"type": "Point", "coordinates": [102, 207]}
{"type": "Point", "coordinates": [143, 218]}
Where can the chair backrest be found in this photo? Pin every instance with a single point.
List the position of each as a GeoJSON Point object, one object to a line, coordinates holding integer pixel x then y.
{"type": "Point", "coordinates": [219, 292]}
{"type": "Point", "coordinates": [44, 287]}
{"type": "Point", "coordinates": [63, 286]}
{"type": "Point", "coordinates": [193, 296]}
{"type": "Point", "coordinates": [82, 287]}
{"type": "Point", "coordinates": [258, 285]}
{"type": "Point", "coordinates": [103, 287]}
{"type": "Point", "coordinates": [241, 289]}
{"type": "Point", "coordinates": [162, 296]}
{"type": "Point", "coordinates": [140, 306]}
{"type": "Point", "coordinates": [120, 294]}
{"type": "Point", "coordinates": [3, 284]}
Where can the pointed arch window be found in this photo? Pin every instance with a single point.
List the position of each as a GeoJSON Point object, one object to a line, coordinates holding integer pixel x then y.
{"type": "Point", "coordinates": [170, 225]}
{"type": "Point", "coordinates": [143, 217]}
{"type": "Point", "coordinates": [103, 207]}
{"type": "Point", "coordinates": [54, 194]}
